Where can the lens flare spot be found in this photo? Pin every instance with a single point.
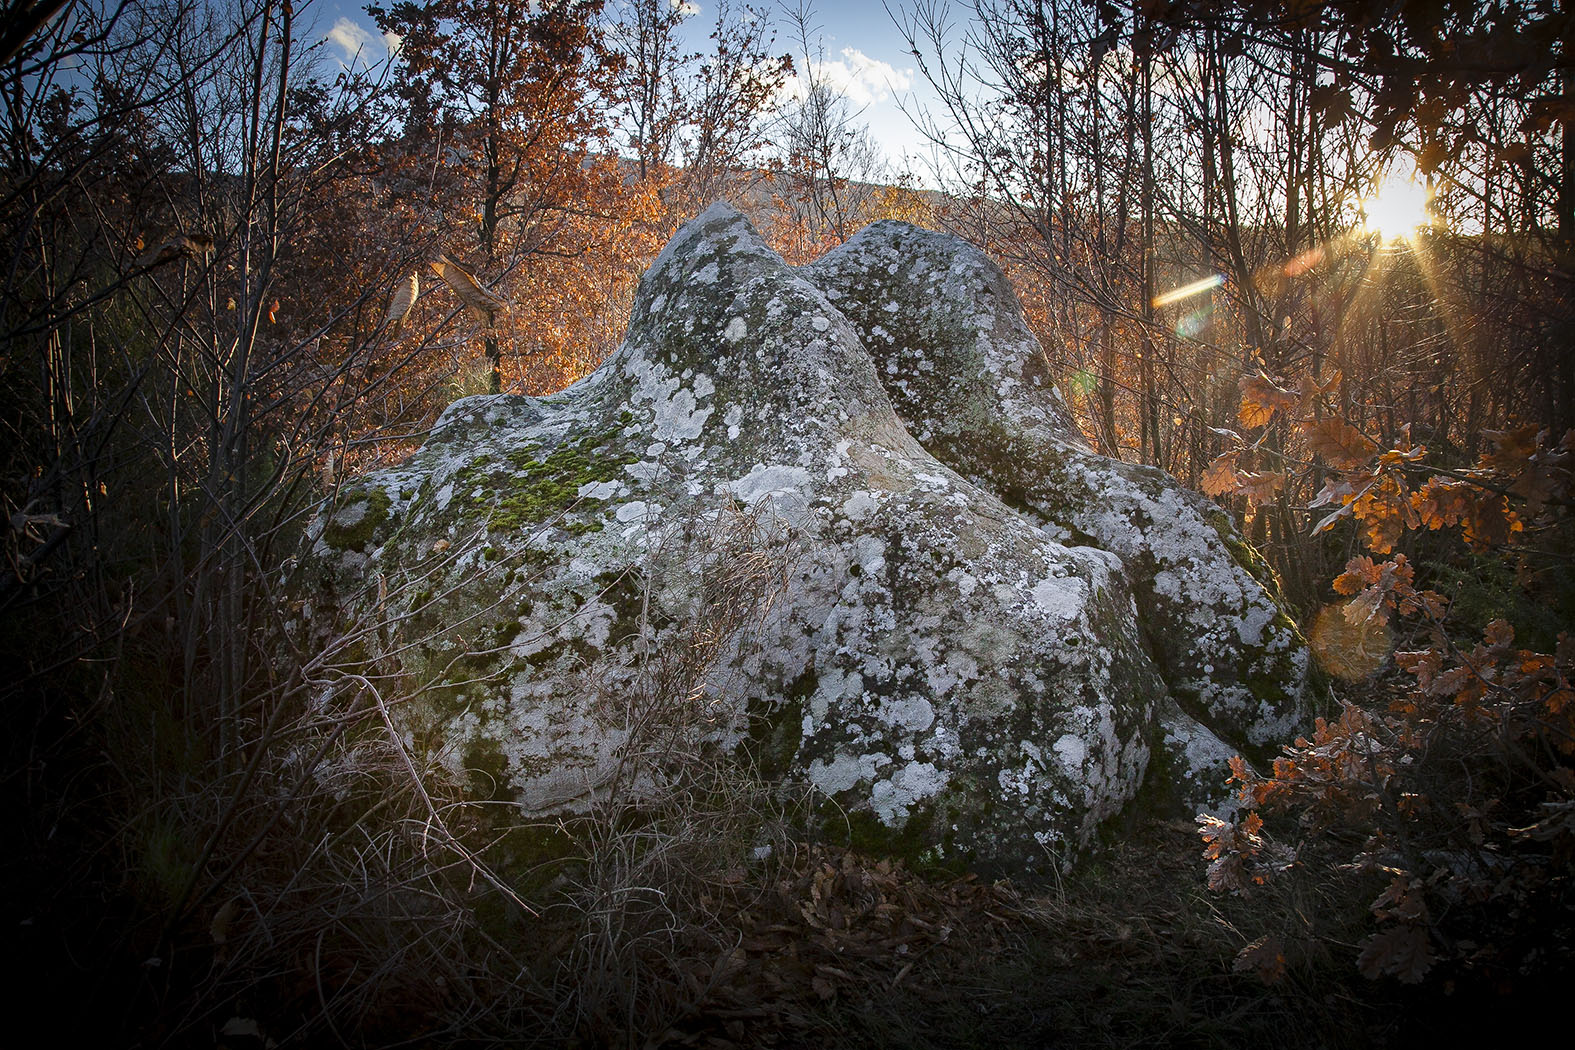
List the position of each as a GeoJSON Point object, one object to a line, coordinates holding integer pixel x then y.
{"type": "Point", "coordinates": [1347, 647]}
{"type": "Point", "coordinates": [1304, 262]}
{"type": "Point", "coordinates": [1189, 325]}
{"type": "Point", "coordinates": [1187, 291]}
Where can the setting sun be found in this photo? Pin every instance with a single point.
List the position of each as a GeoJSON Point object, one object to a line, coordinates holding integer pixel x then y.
{"type": "Point", "coordinates": [1397, 209]}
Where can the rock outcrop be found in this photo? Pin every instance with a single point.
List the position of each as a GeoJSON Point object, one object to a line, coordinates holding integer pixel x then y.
{"type": "Point", "coordinates": [839, 515]}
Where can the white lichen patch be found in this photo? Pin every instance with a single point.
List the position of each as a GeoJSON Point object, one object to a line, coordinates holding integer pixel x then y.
{"type": "Point", "coordinates": [676, 411]}
{"type": "Point", "coordinates": [860, 505]}
{"type": "Point", "coordinates": [351, 516]}
{"type": "Point", "coordinates": [844, 772]}
{"type": "Point", "coordinates": [599, 490]}
{"type": "Point", "coordinates": [634, 510]}
{"type": "Point", "coordinates": [893, 799]}
{"type": "Point", "coordinates": [1072, 752]}
{"type": "Point", "coordinates": [785, 485]}
{"type": "Point", "coordinates": [1060, 597]}
{"type": "Point", "coordinates": [912, 714]}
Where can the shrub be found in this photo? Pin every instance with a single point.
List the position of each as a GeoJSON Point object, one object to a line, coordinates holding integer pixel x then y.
{"type": "Point", "coordinates": [1452, 800]}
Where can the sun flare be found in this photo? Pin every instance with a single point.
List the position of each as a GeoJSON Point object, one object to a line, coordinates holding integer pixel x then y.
{"type": "Point", "coordinates": [1397, 209]}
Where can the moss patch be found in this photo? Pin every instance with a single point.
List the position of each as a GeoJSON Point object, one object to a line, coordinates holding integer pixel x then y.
{"type": "Point", "coordinates": [777, 731]}
{"type": "Point", "coordinates": [488, 770]}
{"type": "Point", "coordinates": [532, 489]}
{"type": "Point", "coordinates": [924, 842]}
{"type": "Point", "coordinates": [1246, 555]}
{"type": "Point", "coordinates": [361, 511]}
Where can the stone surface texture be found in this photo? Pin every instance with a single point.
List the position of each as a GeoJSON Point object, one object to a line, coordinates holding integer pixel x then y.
{"type": "Point", "coordinates": [972, 636]}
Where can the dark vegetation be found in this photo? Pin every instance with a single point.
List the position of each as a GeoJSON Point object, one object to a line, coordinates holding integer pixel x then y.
{"type": "Point", "coordinates": [221, 248]}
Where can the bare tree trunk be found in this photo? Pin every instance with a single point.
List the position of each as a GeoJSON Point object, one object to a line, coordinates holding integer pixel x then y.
{"type": "Point", "coordinates": [1155, 452]}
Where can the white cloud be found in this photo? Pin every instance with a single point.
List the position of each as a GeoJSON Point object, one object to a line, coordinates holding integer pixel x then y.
{"type": "Point", "coordinates": [357, 41]}
{"type": "Point", "coordinates": [352, 39]}
{"type": "Point", "coordinates": [862, 79]}
{"type": "Point", "coordinates": [688, 9]}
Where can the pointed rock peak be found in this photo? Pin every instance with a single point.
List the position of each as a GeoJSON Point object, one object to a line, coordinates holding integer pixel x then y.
{"type": "Point", "coordinates": [718, 245]}
{"type": "Point", "coordinates": [721, 309]}
{"type": "Point", "coordinates": [935, 308]}
{"type": "Point", "coordinates": [720, 212]}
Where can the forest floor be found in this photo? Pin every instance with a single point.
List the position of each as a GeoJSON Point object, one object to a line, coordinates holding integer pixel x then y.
{"type": "Point", "coordinates": [819, 947]}
{"type": "Point", "coordinates": [1130, 951]}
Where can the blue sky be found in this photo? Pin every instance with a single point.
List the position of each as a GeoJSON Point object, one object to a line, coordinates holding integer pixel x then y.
{"type": "Point", "coordinates": [862, 55]}
{"type": "Point", "coordinates": [866, 59]}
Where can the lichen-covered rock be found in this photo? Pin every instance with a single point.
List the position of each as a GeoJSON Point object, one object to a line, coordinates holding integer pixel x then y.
{"type": "Point", "coordinates": [947, 650]}
{"type": "Point", "coordinates": [974, 386]}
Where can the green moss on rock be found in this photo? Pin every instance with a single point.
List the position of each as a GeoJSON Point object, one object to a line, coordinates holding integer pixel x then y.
{"type": "Point", "coordinates": [776, 731]}
{"type": "Point", "coordinates": [488, 770]}
{"type": "Point", "coordinates": [1247, 556]}
{"type": "Point", "coordinates": [353, 524]}
{"type": "Point", "coordinates": [924, 842]}
{"type": "Point", "coordinates": [526, 490]}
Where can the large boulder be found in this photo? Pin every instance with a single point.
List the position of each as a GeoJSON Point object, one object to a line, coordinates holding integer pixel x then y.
{"type": "Point", "coordinates": [837, 515]}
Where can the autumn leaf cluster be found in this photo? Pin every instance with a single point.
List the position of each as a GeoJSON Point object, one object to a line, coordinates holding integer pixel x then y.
{"type": "Point", "coordinates": [1455, 792]}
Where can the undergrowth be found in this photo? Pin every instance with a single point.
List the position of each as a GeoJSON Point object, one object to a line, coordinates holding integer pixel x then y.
{"type": "Point", "coordinates": [338, 887]}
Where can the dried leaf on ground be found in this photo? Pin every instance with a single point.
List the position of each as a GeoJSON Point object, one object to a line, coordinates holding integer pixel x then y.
{"type": "Point", "coordinates": [1264, 958]}
{"type": "Point", "coordinates": [1403, 951]}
